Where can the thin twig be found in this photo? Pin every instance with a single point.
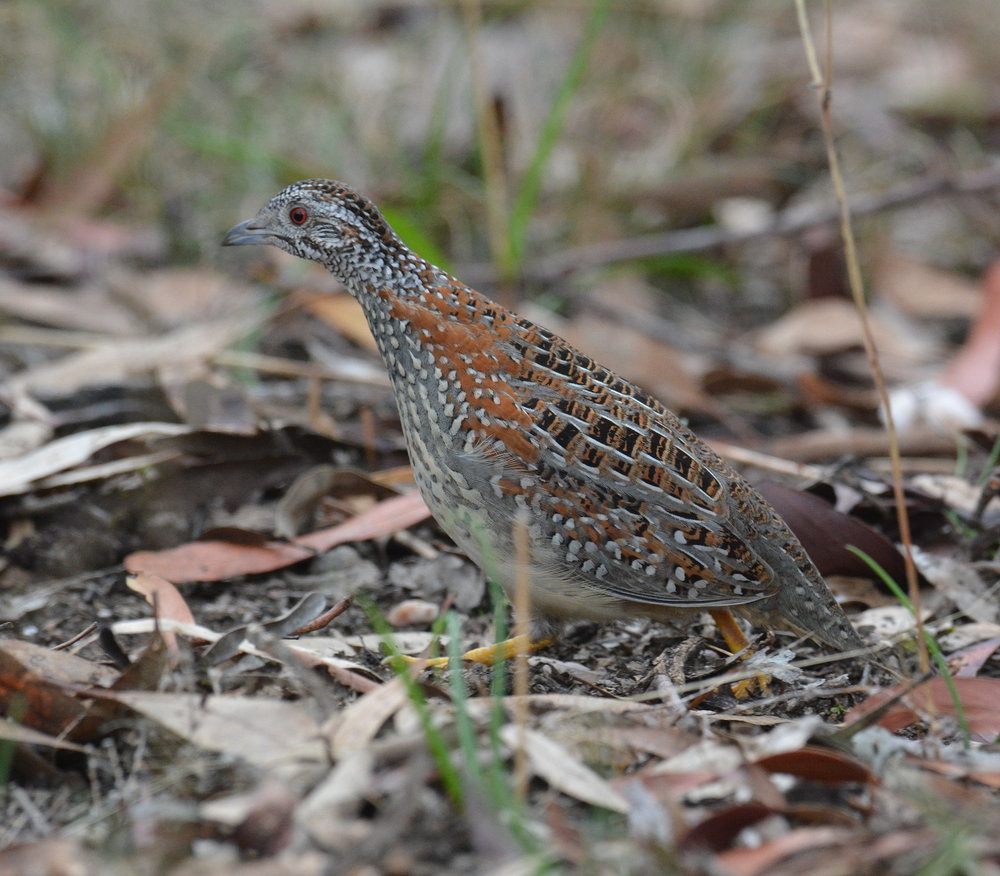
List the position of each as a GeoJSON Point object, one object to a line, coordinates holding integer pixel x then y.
{"type": "Point", "coordinates": [326, 618]}
{"type": "Point", "coordinates": [63, 646]}
{"type": "Point", "coordinates": [790, 222]}
{"type": "Point", "coordinates": [821, 83]}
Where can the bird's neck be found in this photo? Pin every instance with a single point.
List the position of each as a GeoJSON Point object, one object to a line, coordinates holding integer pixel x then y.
{"type": "Point", "coordinates": [381, 274]}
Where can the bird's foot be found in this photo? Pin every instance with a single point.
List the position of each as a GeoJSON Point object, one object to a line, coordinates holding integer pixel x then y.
{"type": "Point", "coordinates": [759, 683]}
{"type": "Point", "coordinates": [737, 642]}
{"type": "Point", "coordinates": [490, 654]}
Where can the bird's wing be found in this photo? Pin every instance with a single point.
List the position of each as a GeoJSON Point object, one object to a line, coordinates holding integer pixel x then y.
{"type": "Point", "coordinates": [647, 528]}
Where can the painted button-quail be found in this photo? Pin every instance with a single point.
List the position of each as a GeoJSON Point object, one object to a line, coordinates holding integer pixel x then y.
{"type": "Point", "coordinates": [627, 511]}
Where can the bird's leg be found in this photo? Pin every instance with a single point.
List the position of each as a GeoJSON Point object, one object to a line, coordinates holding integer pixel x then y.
{"type": "Point", "coordinates": [736, 641]}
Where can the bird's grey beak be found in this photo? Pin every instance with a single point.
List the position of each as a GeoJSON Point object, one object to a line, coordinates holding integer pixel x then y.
{"type": "Point", "coordinates": [251, 231]}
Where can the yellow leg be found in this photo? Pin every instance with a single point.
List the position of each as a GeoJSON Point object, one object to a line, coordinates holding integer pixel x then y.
{"type": "Point", "coordinates": [736, 642]}
{"type": "Point", "coordinates": [492, 653]}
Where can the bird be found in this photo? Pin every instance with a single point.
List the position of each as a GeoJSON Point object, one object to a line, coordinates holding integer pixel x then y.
{"type": "Point", "coordinates": [627, 512]}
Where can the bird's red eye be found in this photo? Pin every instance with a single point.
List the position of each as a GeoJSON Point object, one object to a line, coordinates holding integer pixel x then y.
{"type": "Point", "coordinates": [298, 215]}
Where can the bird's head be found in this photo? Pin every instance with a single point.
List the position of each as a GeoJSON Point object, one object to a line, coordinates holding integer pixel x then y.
{"type": "Point", "coordinates": [324, 221]}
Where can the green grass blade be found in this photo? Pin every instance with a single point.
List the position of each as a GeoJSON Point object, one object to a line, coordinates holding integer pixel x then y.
{"type": "Point", "coordinates": [932, 646]}
{"type": "Point", "coordinates": [526, 197]}
{"type": "Point", "coordinates": [991, 463]}
{"type": "Point", "coordinates": [463, 720]}
{"type": "Point", "coordinates": [436, 743]}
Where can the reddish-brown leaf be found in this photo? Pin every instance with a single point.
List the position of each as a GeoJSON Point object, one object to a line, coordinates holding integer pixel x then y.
{"type": "Point", "coordinates": [765, 858]}
{"type": "Point", "coordinates": [980, 698]}
{"type": "Point", "coordinates": [825, 533]}
{"type": "Point", "coordinates": [817, 764]}
{"type": "Point", "coordinates": [32, 689]}
{"type": "Point", "coordinates": [718, 831]}
{"type": "Point", "coordinates": [974, 370]}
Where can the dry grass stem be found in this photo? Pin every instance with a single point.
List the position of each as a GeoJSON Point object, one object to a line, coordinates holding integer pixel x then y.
{"type": "Point", "coordinates": [822, 84]}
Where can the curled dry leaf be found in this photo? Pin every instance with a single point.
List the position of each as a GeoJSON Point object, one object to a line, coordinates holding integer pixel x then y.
{"type": "Point", "coordinates": [311, 652]}
{"type": "Point", "coordinates": [718, 831]}
{"type": "Point", "coordinates": [354, 727]}
{"type": "Point", "coordinates": [823, 765]}
{"type": "Point", "coordinates": [165, 600]}
{"type": "Point", "coordinates": [18, 474]}
{"type": "Point", "coordinates": [297, 506]}
{"type": "Point", "coordinates": [305, 610]}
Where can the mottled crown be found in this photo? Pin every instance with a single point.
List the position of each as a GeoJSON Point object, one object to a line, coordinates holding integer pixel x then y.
{"type": "Point", "coordinates": [342, 201]}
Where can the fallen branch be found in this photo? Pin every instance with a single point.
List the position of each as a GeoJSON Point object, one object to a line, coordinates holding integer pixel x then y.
{"type": "Point", "coordinates": [792, 221]}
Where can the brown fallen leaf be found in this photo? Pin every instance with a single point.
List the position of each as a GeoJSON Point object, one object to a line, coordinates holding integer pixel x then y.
{"type": "Point", "coordinates": [825, 326]}
{"type": "Point", "coordinates": [980, 698]}
{"type": "Point", "coordinates": [33, 687]}
{"type": "Point", "coordinates": [967, 662]}
{"type": "Point", "coordinates": [321, 483]}
{"type": "Point", "coordinates": [764, 859]}
{"type": "Point", "coordinates": [217, 560]}
{"type": "Point", "coordinates": [959, 771]}
{"type": "Point", "coordinates": [718, 831]}
{"type": "Point", "coordinates": [825, 533]}
{"type": "Point", "coordinates": [922, 290]}
{"type": "Point", "coordinates": [341, 311]}
{"type": "Point", "coordinates": [816, 764]}
{"type": "Point", "coordinates": [57, 666]}
{"type": "Point", "coordinates": [975, 369]}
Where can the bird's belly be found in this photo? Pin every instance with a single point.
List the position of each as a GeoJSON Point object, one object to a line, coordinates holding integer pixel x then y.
{"type": "Point", "coordinates": [484, 530]}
